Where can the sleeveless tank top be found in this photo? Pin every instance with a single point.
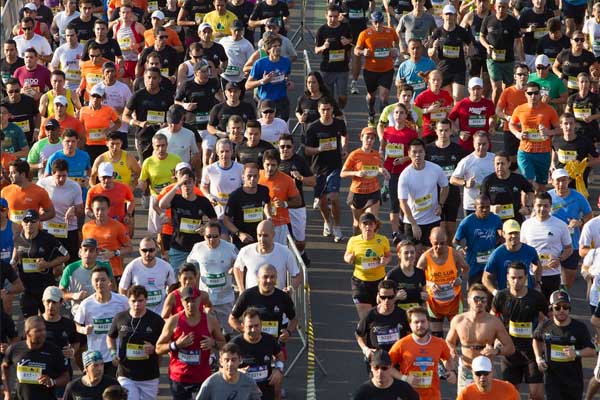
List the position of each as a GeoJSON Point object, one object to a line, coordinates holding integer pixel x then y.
{"type": "Point", "coordinates": [190, 71]}
{"type": "Point", "coordinates": [36, 29]}
{"type": "Point", "coordinates": [120, 167]}
{"type": "Point", "coordinates": [179, 304]}
{"type": "Point", "coordinates": [190, 365]}
{"type": "Point", "coordinates": [127, 37]}
{"type": "Point", "coordinates": [447, 299]}
{"type": "Point", "coordinates": [70, 108]}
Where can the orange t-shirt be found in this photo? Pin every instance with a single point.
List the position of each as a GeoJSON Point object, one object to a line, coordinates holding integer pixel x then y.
{"type": "Point", "coordinates": [95, 122]}
{"type": "Point", "coordinates": [172, 38]}
{"type": "Point", "coordinates": [420, 362]}
{"type": "Point", "coordinates": [141, 4]}
{"type": "Point", "coordinates": [281, 187]}
{"type": "Point", "coordinates": [501, 390]}
{"type": "Point", "coordinates": [510, 98]}
{"type": "Point", "coordinates": [68, 122]}
{"type": "Point", "coordinates": [167, 228]}
{"type": "Point", "coordinates": [530, 120]}
{"type": "Point", "coordinates": [20, 199]}
{"type": "Point", "coordinates": [118, 195]}
{"type": "Point", "coordinates": [91, 74]}
{"type": "Point", "coordinates": [111, 236]}
{"type": "Point", "coordinates": [446, 301]}
{"type": "Point", "coordinates": [380, 45]}
{"type": "Point", "coordinates": [359, 160]}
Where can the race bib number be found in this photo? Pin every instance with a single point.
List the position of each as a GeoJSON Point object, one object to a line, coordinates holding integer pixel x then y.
{"type": "Point", "coordinates": [406, 306]}
{"type": "Point", "coordinates": [222, 198]}
{"type": "Point", "coordinates": [164, 72]}
{"type": "Point", "coordinates": [564, 156]}
{"type": "Point", "coordinates": [201, 117]}
{"type": "Point", "coordinates": [371, 170]}
{"type": "Point", "coordinates": [279, 77]}
{"type": "Point", "coordinates": [450, 51]}
{"type": "Point", "coordinates": [534, 135]}
{"type": "Point", "coordinates": [102, 325]}
{"type": "Point", "coordinates": [448, 170]}
{"type": "Point", "coordinates": [24, 125]}
{"type": "Point", "coordinates": [477, 121]}
{"type": "Point", "coordinates": [232, 70]}
{"type": "Point", "coordinates": [438, 115]}
{"type": "Point", "coordinates": [424, 203]}
{"type": "Point", "coordinates": [572, 82]}
{"type": "Point", "coordinates": [124, 43]}
{"type": "Point", "coordinates": [370, 263]}
{"type": "Point", "coordinates": [596, 46]}
{"type": "Point", "coordinates": [545, 260]}
{"type": "Point", "coordinates": [387, 336]}
{"type": "Point", "coordinates": [135, 352]}
{"type": "Point", "coordinates": [73, 75]}
{"type": "Point", "coordinates": [504, 211]}
{"type": "Point", "coordinates": [355, 14]}
{"type": "Point", "coordinates": [190, 357]}
{"type": "Point", "coordinates": [81, 180]}
{"type": "Point", "coordinates": [421, 379]}
{"type": "Point", "coordinates": [483, 257]}
{"type": "Point", "coordinates": [418, 85]}
{"type": "Point", "coordinates": [30, 265]}
{"type": "Point", "coordinates": [499, 55]}
{"type": "Point", "coordinates": [253, 214]}
{"type": "Point", "coordinates": [336, 55]}
{"type": "Point", "coordinates": [152, 6]}
{"type": "Point", "coordinates": [559, 353]}
{"type": "Point", "coordinates": [28, 375]}
{"type": "Point", "coordinates": [214, 280]}
{"type": "Point", "coordinates": [259, 373]}
{"type": "Point", "coordinates": [189, 225]}
{"type": "Point", "coordinates": [270, 327]}
{"type": "Point", "coordinates": [381, 53]}
{"type": "Point", "coordinates": [97, 135]}
{"type": "Point", "coordinates": [58, 230]}
{"type": "Point", "coordinates": [520, 329]}
{"type": "Point", "coordinates": [581, 113]}
{"type": "Point", "coordinates": [394, 150]}
{"type": "Point", "coordinates": [154, 297]}
{"type": "Point", "coordinates": [328, 144]}
{"type": "Point", "coordinates": [16, 216]}
{"type": "Point", "coordinates": [538, 33]}
{"type": "Point", "coordinates": [93, 79]}
{"type": "Point", "coordinates": [445, 293]}
{"type": "Point", "coordinates": [437, 9]}
{"type": "Point", "coordinates": [155, 117]}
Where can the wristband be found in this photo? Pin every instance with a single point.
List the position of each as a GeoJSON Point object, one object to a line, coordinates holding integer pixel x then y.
{"type": "Point", "coordinates": [52, 382]}
{"type": "Point", "coordinates": [366, 351]}
{"type": "Point", "coordinates": [540, 360]}
{"type": "Point", "coordinates": [279, 365]}
{"type": "Point", "coordinates": [113, 353]}
{"type": "Point", "coordinates": [173, 346]}
{"type": "Point", "coordinates": [577, 353]}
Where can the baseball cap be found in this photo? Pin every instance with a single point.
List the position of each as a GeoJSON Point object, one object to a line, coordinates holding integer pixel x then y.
{"type": "Point", "coordinates": [380, 358]}
{"type": "Point", "coordinates": [61, 99]}
{"type": "Point", "coordinates": [272, 22]}
{"type": "Point", "coordinates": [449, 9]}
{"type": "Point", "coordinates": [559, 296]}
{"type": "Point", "coordinates": [106, 169]}
{"type": "Point", "coordinates": [30, 6]}
{"type": "Point", "coordinates": [232, 85]}
{"type": "Point", "coordinates": [367, 217]}
{"type": "Point", "coordinates": [158, 15]}
{"type": "Point", "coordinates": [188, 293]}
{"type": "Point", "coordinates": [52, 124]}
{"type": "Point", "coordinates": [267, 105]}
{"type": "Point", "coordinates": [202, 64]}
{"type": "Point", "coordinates": [97, 90]}
{"type": "Point", "coordinates": [481, 363]}
{"type": "Point", "coordinates": [91, 357]}
{"type": "Point", "coordinates": [182, 165]}
{"type": "Point", "coordinates": [368, 131]}
{"type": "Point", "coordinates": [237, 24]}
{"type": "Point", "coordinates": [31, 215]}
{"type": "Point", "coordinates": [559, 173]}
{"type": "Point", "coordinates": [542, 59]}
{"type": "Point", "coordinates": [511, 226]}
{"type": "Point", "coordinates": [377, 16]}
{"type": "Point", "coordinates": [475, 81]}
{"type": "Point", "coordinates": [52, 293]}
{"type": "Point", "coordinates": [205, 25]}
{"type": "Point", "coordinates": [89, 242]}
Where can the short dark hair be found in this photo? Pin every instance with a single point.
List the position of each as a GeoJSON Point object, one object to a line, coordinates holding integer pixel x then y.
{"type": "Point", "coordinates": [416, 142]}
{"type": "Point", "coordinates": [101, 199]}
{"type": "Point", "coordinates": [59, 73]}
{"type": "Point", "coordinates": [533, 85]}
{"type": "Point", "coordinates": [231, 348]}
{"type": "Point", "coordinates": [286, 136]}
{"type": "Point", "coordinates": [114, 392]}
{"type": "Point", "coordinates": [477, 287]}
{"type": "Point", "coordinates": [70, 133]}
{"type": "Point", "coordinates": [271, 155]}
{"type": "Point", "coordinates": [100, 21]}
{"type": "Point", "coordinates": [137, 291]}
{"type": "Point", "coordinates": [554, 24]}
{"type": "Point", "coordinates": [251, 313]}
{"type": "Point", "coordinates": [10, 41]}
{"type": "Point", "coordinates": [387, 284]}
{"type": "Point", "coordinates": [187, 267]}
{"type": "Point", "coordinates": [254, 124]}
{"type": "Point", "coordinates": [99, 269]}
{"type": "Point", "coordinates": [212, 224]}
{"type": "Point", "coordinates": [567, 115]}
{"type": "Point", "coordinates": [21, 166]}
{"type": "Point", "coordinates": [60, 165]}
{"type": "Point", "coordinates": [518, 265]}
{"type": "Point", "coordinates": [416, 310]}
{"type": "Point", "coordinates": [326, 100]}
{"type": "Point", "coordinates": [31, 50]}
{"type": "Point", "coordinates": [543, 196]}
{"type": "Point", "coordinates": [503, 154]}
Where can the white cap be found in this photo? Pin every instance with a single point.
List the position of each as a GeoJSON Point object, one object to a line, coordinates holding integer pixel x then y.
{"type": "Point", "coordinates": [182, 165]}
{"type": "Point", "coordinates": [97, 90]}
{"type": "Point", "coordinates": [449, 9]}
{"type": "Point", "coordinates": [61, 99]}
{"type": "Point", "coordinates": [481, 363]}
{"type": "Point", "coordinates": [105, 169]}
{"type": "Point", "coordinates": [205, 25]}
{"type": "Point", "coordinates": [560, 173]}
{"type": "Point", "coordinates": [52, 293]}
{"type": "Point", "coordinates": [31, 6]}
{"type": "Point", "coordinates": [475, 81]}
{"type": "Point", "coordinates": [158, 14]}
{"type": "Point", "coordinates": [542, 59]}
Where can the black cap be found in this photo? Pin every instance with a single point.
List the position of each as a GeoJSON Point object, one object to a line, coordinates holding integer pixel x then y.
{"type": "Point", "coordinates": [237, 24]}
{"type": "Point", "coordinates": [367, 217]}
{"type": "Point", "coordinates": [232, 85]}
{"type": "Point", "coordinates": [52, 124]}
{"type": "Point", "coordinates": [267, 105]}
{"type": "Point", "coordinates": [187, 293]}
{"type": "Point", "coordinates": [381, 358]}
{"type": "Point", "coordinates": [31, 215]}
{"type": "Point", "coordinates": [89, 242]}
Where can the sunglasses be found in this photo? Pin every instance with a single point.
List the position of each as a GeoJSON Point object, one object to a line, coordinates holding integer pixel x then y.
{"type": "Point", "coordinates": [285, 146]}
{"type": "Point", "coordinates": [480, 299]}
{"type": "Point", "coordinates": [147, 250]}
{"type": "Point", "coordinates": [481, 373]}
{"type": "Point", "coordinates": [96, 95]}
{"type": "Point", "coordinates": [559, 307]}
{"type": "Point", "coordinates": [533, 93]}
{"type": "Point", "coordinates": [211, 236]}
{"type": "Point", "coordinates": [27, 28]}
{"type": "Point", "coordinates": [268, 111]}
{"type": "Point", "coordinates": [30, 220]}
{"type": "Point", "coordinates": [521, 74]}
{"type": "Point", "coordinates": [541, 66]}
{"type": "Point", "coordinates": [392, 297]}
{"type": "Point", "coordinates": [579, 40]}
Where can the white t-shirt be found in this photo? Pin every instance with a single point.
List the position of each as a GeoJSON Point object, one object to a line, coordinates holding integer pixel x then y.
{"type": "Point", "coordinates": [117, 96]}
{"type": "Point", "coordinates": [271, 132]}
{"type": "Point", "coordinates": [222, 182]}
{"type": "Point", "coordinates": [62, 198]}
{"type": "Point", "coordinates": [590, 234]}
{"type": "Point", "coordinates": [592, 29]}
{"type": "Point", "coordinates": [67, 60]}
{"type": "Point", "coordinates": [38, 42]}
{"type": "Point", "coordinates": [182, 143]}
{"type": "Point", "coordinates": [420, 189]}
{"type": "Point", "coordinates": [592, 260]}
{"type": "Point", "coordinates": [214, 266]}
{"type": "Point", "coordinates": [61, 19]}
{"type": "Point", "coordinates": [156, 280]}
{"type": "Point", "coordinates": [281, 258]}
{"type": "Point", "coordinates": [548, 237]}
{"type": "Point", "coordinates": [238, 51]}
{"type": "Point", "coordinates": [287, 47]}
{"type": "Point", "coordinates": [475, 166]}
{"type": "Point", "coordinates": [91, 312]}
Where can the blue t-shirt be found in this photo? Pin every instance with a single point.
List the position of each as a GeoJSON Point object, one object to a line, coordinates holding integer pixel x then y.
{"type": "Point", "coordinates": [408, 71]}
{"type": "Point", "coordinates": [501, 259]}
{"type": "Point", "coordinates": [481, 235]}
{"type": "Point", "coordinates": [79, 164]}
{"type": "Point", "coordinates": [6, 243]}
{"type": "Point", "coordinates": [574, 206]}
{"type": "Point", "coordinates": [277, 88]}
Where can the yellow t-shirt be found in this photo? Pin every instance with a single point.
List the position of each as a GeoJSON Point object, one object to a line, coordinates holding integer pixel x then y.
{"type": "Point", "coordinates": [221, 24]}
{"type": "Point", "coordinates": [367, 266]}
{"type": "Point", "coordinates": [159, 172]}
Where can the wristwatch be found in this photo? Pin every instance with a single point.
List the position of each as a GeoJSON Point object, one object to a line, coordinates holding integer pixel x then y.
{"type": "Point", "coordinates": [117, 253]}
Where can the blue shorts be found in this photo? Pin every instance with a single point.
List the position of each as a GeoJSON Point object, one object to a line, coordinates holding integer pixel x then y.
{"type": "Point", "coordinates": [534, 166]}
{"type": "Point", "coordinates": [328, 183]}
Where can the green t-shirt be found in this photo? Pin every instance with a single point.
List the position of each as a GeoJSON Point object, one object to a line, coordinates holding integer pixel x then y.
{"type": "Point", "coordinates": [36, 150]}
{"type": "Point", "coordinates": [76, 278]}
{"type": "Point", "coordinates": [14, 138]}
{"type": "Point", "coordinates": [552, 86]}
{"type": "Point", "coordinates": [384, 118]}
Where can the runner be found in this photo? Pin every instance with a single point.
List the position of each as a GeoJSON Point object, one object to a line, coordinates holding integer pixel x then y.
{"type": "Point", "coordinates": [93, 382]}
{"type": "Point", "coordinates": [410, 281]}
{"type": "Point", "coordinates": [435, 102]}
{"type": "Point", "coordinates": [484, 384]}
{"type": "Point", "coordinates": [382, 385]}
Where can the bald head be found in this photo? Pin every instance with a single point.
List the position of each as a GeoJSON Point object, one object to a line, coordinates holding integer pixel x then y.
{"type": "Point", "coordinates": [267, 269]}
{"type": "Point", "coordinates": [437, 234]}
{"type": "Point", "coordinates": [266, 226]}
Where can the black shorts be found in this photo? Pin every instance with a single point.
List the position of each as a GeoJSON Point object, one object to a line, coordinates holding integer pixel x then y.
{"type": "Point", "coordinates": [572, 262]}
{"type": "Point", "coordinates": [375, 79]}
{"type": "Point", "coordinates": [451, 206]}
{"type": "Point", "coordinates": [364, 292]}
{"type": "Point", "coordinates": [550, 284]}
{"type": "Point", "coordinates": [425, 231]}
{"type": "Point", "coordinates": [511, 143]}
{"type": "Point", "coordinates": [360, 201]}
{"type": "Point", "coordinates": [558, 389]}
{"type": "Point", "coordinates": [575, 12]}
{"type": "Point", "coordinates": [394, 201]}
{"type": "Point", "coordinates": [478, 65]}
{"type": "Point", "coordinates": [453, 76]}
{"type": "Point", "coordinates": [520, 367]}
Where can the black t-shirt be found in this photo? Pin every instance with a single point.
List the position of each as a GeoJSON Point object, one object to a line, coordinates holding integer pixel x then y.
{"type": "Point", "coordinates": [475, 29]}
{"type": "Point", "coordinates": [572, 65]}
{"type": "Point", "coordinates": [552, 48]}
{"type": "Point", "coordinates": [165, 84]}
{"type": "Point", "coordinates": [582, 145]}
{"type": "Point", "coordinates": [144, 103]}
{"type": "Point", "coordinates": [169, 59]}
{"type": "Point", "coordinates": [271, 307]}
{"type": "Point", "coordinates": [196, 11]}
{"type": "Point", "coordinates": [398, 390]}
{"type": "Point", "coordinates": [413, 285]}
{"type": "Point", "coordinates": [185, 214]}
{"type": "Point", "coordinates": [43, 246]}
{"type": "Point", "coordinates": [506, 191]}
{"type": "Point", "coordinates": [576, 334]}
{"type": "Point", "coordinates": [262, 10]}
{"type": "Point", "coordinates": [110, 49]}
{"type": "Point", "coordinates": [521, 5]}
{"type": "Point", "coordinates": [529, 18]}
{"type": "Point", "coordinates": [62, 333]}
{"type": "Point", "coordinates": [76, 390]}
{"type": "Point", "coordinates": [450, 48]}
{"type": "Point", "coordinates": [243, 12]}
{"type": "Point", "coordinates": [382, 331]}
{"type": "Point", "coordinates": [24, 110]}
{"type": "Point", "coordinates": [7, 70]}
{"type": "Point", "coordinates": [501, 35]}
{"type": "Point", "coordinates": [311, 107]}
{"type": "Point", "coordinates": [520, 315]}
{"type": "Point", "coordinates": [246, 154]}
{"type": "Point", "coordinates": [337, 57]}
{"type": "Point", "coordinates": [357, 11]}
{"type": "Point", "coordinates": [400, 7]}
{"type": "Point", "coordinates": [447, 158]}
{"type": "Point", "coordinates": [47, 360]}
{"type": "Point", "coordinates": [85, 30]}
{"type": "Point", "coordinates": [318, 134]}
{"type": "Point", "coordinates": [581, 106]}
{"type": "Point", "coordinates": [8, 331]}
{"type": "Point", "coordinates": [258, 356]}
{"type": "Point", "coordinates": [132, 333]}
{"type": "Point", "coordinates": [220, 113]}
{"type": "Point", "coordinates": [215, 53]}
{"type": "Point", "coordinates": [204, 97]}
{"type": "Point", "coordinates": [296, 163]}
{"type": "Point", "coordinates": [242, 208]}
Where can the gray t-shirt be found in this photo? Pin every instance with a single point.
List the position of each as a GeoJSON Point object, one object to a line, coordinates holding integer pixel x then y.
{"type": "Point", "coordinates": [215, 388]}
{"type": "Point", "coordinates": [413, 27]}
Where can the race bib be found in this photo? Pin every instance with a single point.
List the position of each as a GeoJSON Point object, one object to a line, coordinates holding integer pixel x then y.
{"type": "Point", "coordinates": [253, 214]}
{"type": "Point", "coordinates": [387, 336]}
{"type": "Point", "coordinates": [73, 75]}
{"type": "Point", "coordinates": [201, 117]}
{"type": "Point", "coordinates": [504, 211]}
{"type": "Point", "coordinates": [222, 198]}
{"type": "Point", "coordinates": [448, 170]}
{"type": "Point", "coordinates": [596, 46]}
{"type": "Point", "coordinates": [381, 53]}
{"type": "Point", "coordinates": [445, 293]}
{"type": "Point", "coordinates": [477, 121]}
{"type": "Point", "coordinates": [97, 135]}
{"type": "Point", "coordinates": [93, 79]}
{"type": "Point", "coordinates": [438, 115]}
{"type": "Point", "coordinates": [152, 6]}
{"type": "Point", "coordinates": [406, 306]}
{"type": "Point", "coordinates": [102, 325]}
{"type": "Point", "coordinates": [558, 353]}
{"type": "Point", "coordinates": [155, 117]}
{"type": "Point", "coordinates": [16, 216]}
{"type": "Point", "coordinates": [28, 375]}
{"type": "Point", "coordinates": [124, 43]}
{"type": "Point", "coordinates": [564, 156]}
{"type": "Point", "coordinates": [214, 280]}
{"type": "Point", "coordinates": [198, 17]}
{"type": "Point", "coordinates": [81, 180]}
{"type": "Point", "coordinates": [370, 263]}
{"type": "Point", "coordinates": [164, 72]}
{"type": "Point", "coordinates": [24, 125]}
{"type": "Point", "coordinates": [581, 113]}
{"type": "Point", "coordinates": [135, 352]}
{"type": "Point", "coordinates": [450, 51]}
{"type": "Point", "coordinates": [421, 379]}
{"type": "Point", "coordinates": [520, 329]}
{"type": "Point", "coordinates": [232, 70]}
{"type": "Point", "coordinates": [190, 357]}
{"type": "Point", "coordinates": [499, 55]}
{"type": "Point", "coordinates": [419, 85]}
{"type": "Point", "coordinates": [279, 77]}
{"type": "Point", "coordinates": [355, 14]}
{"type": "Point", "coordinates": [424, 203]}
{"type": "Point", "coordinates": [538, 33]}
{"type": "Point", "coordinates": [189, 225]}
{"type": "Point", "coordinates": [572, 82]}
{"type": "Point", "coordinates": [371, 170]}
{"type": "Point", "coordinates": [545, 260]}
{"type": "Point", "coordinates": [336, 55]}
{"type": "Point", "coordinates": [437, 9]}
{"type": "Point", "coordinates": [270, 327]}
{"type": "Point", "coordinates": [259, 373]}
{"type": "Point", "coordinates": [394, 150]}
{"type": "Point", "coordinates": [534, 135]}
{"type": "Point", "coordinates": [30, 265]}
{"type": "Point", "coordinates": [154, 297]}
{"type": "Point", "coordinates": [328, 144]}
{"type": "Point", "coordinates": [58, 230]}
{"type": "Point", "coordinates": [483, 257]}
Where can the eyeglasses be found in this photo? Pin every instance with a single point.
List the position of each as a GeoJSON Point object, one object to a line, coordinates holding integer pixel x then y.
{"type": "Point", "coordinates": [533, 93]}
{"type": "Point", "coordinates": [27, 28]}
{"type": "Point", "coordinates": [391, 297]}
{"type": "Point", "coordinates": [196, 57]}
{"type": "Point", "coordinates": [268, 111]}
{"type": "Point", "coordinates": [147, 250]}
{"type": "Point", "coordinates": [481, 373]}
{"type": "Point", "coordinates": [479, 299]}
{"type": "Point", "coordinates": [30, 220]}
{"type": "Point", "coordinates": [96, 95]}
{"type": "Point", "coordinates": [559, 307]}
{"type": "Point", "coordinates": [579, 40]}
{"type": "Point", "coordinates": [520, 74]}
{"type": "Point", "coordinates": [211, 236]}
{"type": "Point", "coordinates": [285, 146]}
{"type": "Point", "coordinates": [541, 66]}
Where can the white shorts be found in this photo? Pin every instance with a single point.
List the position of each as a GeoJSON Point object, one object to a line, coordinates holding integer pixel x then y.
{"type": "Point", "coordinates": [298, 220]}
{"type": "Point", "coordinates": [208, 141]}
{"type": "Point", "coordinates": [139, 390]}
{"type": "Point", "coordinates": [530, 61]}
{"type": "Point", "coordinates": [154, 220]}
{"type": "Point", "coordinates": [222, 312]}
{"type": "Point", "coordinates": [281, 233]}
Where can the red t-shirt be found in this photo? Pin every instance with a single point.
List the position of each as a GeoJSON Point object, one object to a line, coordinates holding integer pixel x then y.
{"type": "Point", "coordinates": [472, 117]}
{"type": "Point", "coordinates": [397, 146]}
{"type": "Point", "coordinates": [426, 99]}
{"type": "Point", "coordinates": [39, 78]}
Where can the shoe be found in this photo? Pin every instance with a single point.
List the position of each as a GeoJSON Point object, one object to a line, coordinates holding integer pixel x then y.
{"type": "Point", "coordinates": [316, 203]}
{"type": "Point", "coordinates": [371, 121]}
{"type": "Point", "coordinates": [305, 259]}
{"type": "Point", "coordinates": [353, 88]}
{"type": "Point", "coordinates": [326, 229]}
{"type": "Point", "coordinates": [338, 236]}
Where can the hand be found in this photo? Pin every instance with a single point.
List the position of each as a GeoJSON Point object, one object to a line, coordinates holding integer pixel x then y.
{"type": "Point", "coordinates": [148, 348]}
{"type": "Point", "coordinates": [7, 395]}
{"type": "Point", "coordinates": [296, 175]}
{"type": "Point", "coordinates": [207, 343]}
{"type": "Point", "coordinates": [457, 281]}
{"type": "Point", "coordinates": [351, 258]}
{"type": "Point", "coordinates": [104, 254]}
{"type": "Point", "coordinates": [276, 377]}
{"type": "Point", "coordinates": [185, 340]}
{"type": "Point", "coordinates": [304, 117]}
{"type": "Point", "coordinates": [546, 99]}
{"type": "Point", "coordinates": [164, 218]}
{"type": "Point", "coordinates": [42, 264]}
{"type": "Point", "coordinates": [451, 377]}
{"type": "Point", "coordinates": [542, 365]}
{"type": "Point", "coordinates": [115, 360]}
{"type": "Point", "coordinates": [524, 211]}
{"type": "Point", "coordinates": [524, 135]}
{"type": "Point", "coordinates": [361, 173]}
{"type": "Point", "coordinates": [345, 41]}
{"type": "Point", "coordinates": [366, 52]}
{"type": "Point", "coordinates": [246, 238]}
{"type": "Point", "coordinates": [68, 351]}
{"type": "Point", "coordinates": [288, 289]}
{"type": "Point", "coordinates": [574, 223]}
{"type": "Point", "coordinates": [267, 77]}
{"type": "Point", "coordinates": [143, 124]}
{"type": "Point", "coordinates": [3, 347]}
{"type": "Point", "coordinates": [89, 329]}
{"type": "Point", "coordinates": [553, 263]}
{"type": "Point", "coordinates": [284, 336]}
{"type": "Point", "coordinates": [326, 45]}
{"type": "Point", "coordinates": [70, 214]}
{"type": "Point", "coordinates": [470, 182]}
{"type": "Point", "coordinates": [416, 231]}
{"type": "Point", "coordinates": [489, 351]}
{"type": "Point", "coordinates": [278, 203]}
{"type": "Point", "coordinates": [464, 135]}
{"type": "Point", "coordinates": [424, 296]}
{"type": "Point", "coordinates": [385, 173]}
{"type": "Point", "coordinates": [570, 352]}
{"type": "Point", "coordinates": [45, 380]}
{"type": "Point", "coordinates": [401, 294]}
{"type": "Point", "coordinates": [190, 106]}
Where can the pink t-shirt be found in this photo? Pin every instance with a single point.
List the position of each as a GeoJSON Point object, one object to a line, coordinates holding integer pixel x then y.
{"type": "Point", "coordinates": [39, 78]}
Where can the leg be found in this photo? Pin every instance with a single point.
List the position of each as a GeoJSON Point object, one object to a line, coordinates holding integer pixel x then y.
{"type": "Point", "coordinates": [356, 213]}
{"type": "Point", "coordinates": [362, 309]}
{"type": "Point", "coordinates": [458, 91]}
{"type": "Point", "coordinates": [536, 390]}
{"type": "Point", "coordinates": [335, 208]}
{"type": "Point", "coordinates": [133, 389]}
{"type": "Point", "coordinates": [496, 90]}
